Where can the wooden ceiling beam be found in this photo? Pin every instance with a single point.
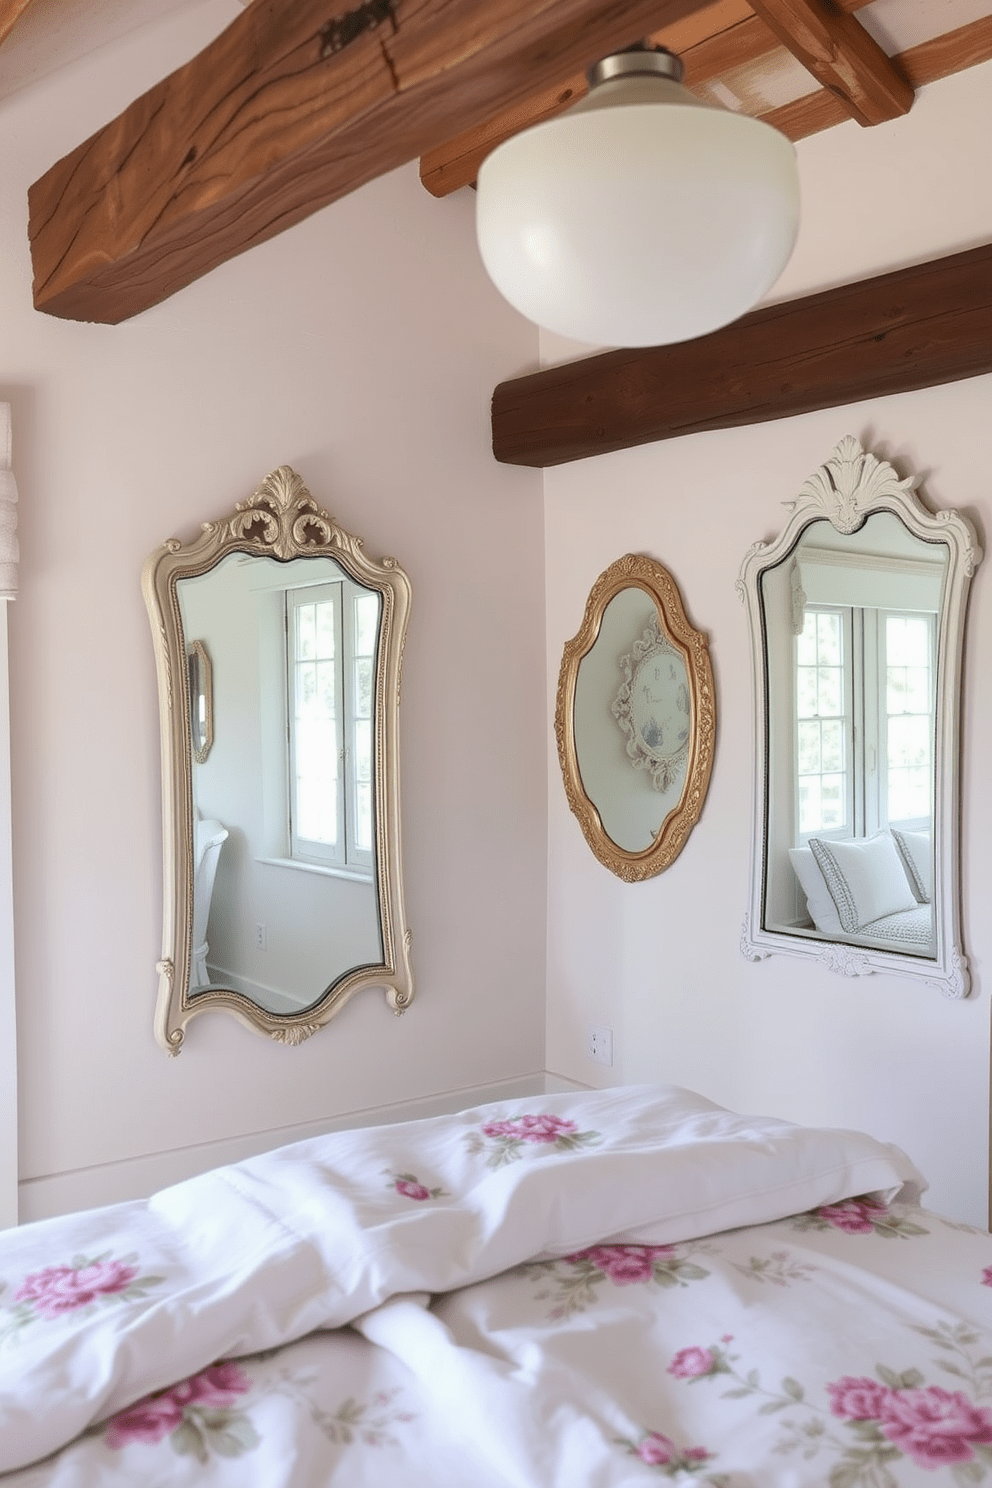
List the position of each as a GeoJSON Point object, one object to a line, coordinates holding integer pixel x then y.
{"type": "Point", "coordinates": [926, 63]}
{"type": "Point", "coordinates": [290, 108]}
{"type": "Point", "coordinates": [841, 55]}
{"type": "Point", "coordinates": [910, 329]}
{"type": "Point", "coordinates": [711, 43]}
{"type": "Point", "coordinates": [10, 13]}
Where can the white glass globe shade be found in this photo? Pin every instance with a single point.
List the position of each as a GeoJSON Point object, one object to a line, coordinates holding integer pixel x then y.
{"type": "Point", "coordinates": [638, 223]}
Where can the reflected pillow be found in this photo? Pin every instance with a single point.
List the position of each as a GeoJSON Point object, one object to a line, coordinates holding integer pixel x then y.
{"type": "Point", "coordinates": [865, 877]}
{"type": "Point", "coordinates": [916, 852]}
{"type": "Point", "coordinates": [822, 909]}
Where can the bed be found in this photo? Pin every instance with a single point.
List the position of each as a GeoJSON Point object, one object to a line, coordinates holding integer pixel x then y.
{"type": "Point", "coordinates": [595, 1288]}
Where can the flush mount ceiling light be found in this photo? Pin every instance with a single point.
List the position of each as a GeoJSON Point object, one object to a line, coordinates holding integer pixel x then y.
{"type": "Point", "coordinates": [641, 216]}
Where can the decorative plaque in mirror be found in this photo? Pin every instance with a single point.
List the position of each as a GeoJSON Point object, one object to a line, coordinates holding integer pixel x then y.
{"type": "Point", "coordinates": [278, 645]}
{"type": "Point", "coordinates": [636, 720]}
{"type": "Point", "coordinates": [857, 614]}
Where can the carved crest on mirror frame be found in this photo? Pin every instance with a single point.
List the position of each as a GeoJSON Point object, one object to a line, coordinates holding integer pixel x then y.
{"type": "Point", "coordinates": [278, 537]}
{"type": "Point", "coordinates": [905, 566]}
{"type": "Point", "coordinates": [659, 761]}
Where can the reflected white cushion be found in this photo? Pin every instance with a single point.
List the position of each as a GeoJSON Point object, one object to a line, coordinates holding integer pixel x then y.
{"type": "Point", "coordinates": [916, 851]}
{"type": "Point", "coordinates": [822, 909]}
{"type": "Point", "coordinates": [865, 877]}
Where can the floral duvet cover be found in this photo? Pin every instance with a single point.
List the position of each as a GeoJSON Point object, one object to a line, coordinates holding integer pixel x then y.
{"type": "Point", "coordinates": [847, 1345]}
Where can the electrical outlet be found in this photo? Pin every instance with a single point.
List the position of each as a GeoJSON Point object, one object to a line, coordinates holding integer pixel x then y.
{"type": "Point", "coordinates": [261, 942]}
{"type": "Point", "coordinates": [601, 1045]}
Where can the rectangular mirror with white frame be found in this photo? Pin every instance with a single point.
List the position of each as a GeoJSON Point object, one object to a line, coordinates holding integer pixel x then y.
{"type": "Point", "coordinates": [857, 612]}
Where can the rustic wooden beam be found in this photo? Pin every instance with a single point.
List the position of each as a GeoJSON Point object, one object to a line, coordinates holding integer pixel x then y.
{"type": "Point", "coordinates": [715, 40]}
{"type": "Point", "coordinates": [926, 63]}
{"type": "Point", "coordinates": [841, 55]}
{"type": "Point", "coordinates": [910, 329]}
{"type": "Point", "coordinates": [10, 13]}
{"type": "Point", "coordinates": [291, 107]}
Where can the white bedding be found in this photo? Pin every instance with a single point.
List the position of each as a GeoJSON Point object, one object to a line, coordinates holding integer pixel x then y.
{"type": "Point", "coordinates": [585, 1324]}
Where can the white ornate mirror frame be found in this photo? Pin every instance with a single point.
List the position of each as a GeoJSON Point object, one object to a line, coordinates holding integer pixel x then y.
{"type": "Point", "coordinates": [671, 632]}
{"type": "Point", "coordinates": [279, 521]}
{"type": "Point", "coordinates": [850, 487]}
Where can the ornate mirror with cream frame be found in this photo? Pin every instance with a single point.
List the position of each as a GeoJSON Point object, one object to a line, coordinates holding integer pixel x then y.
{"type": "Point", "coordinates": [857, 615]}
{"type": "Point", "coordinates": [283, 893]}
{"type": "Point", "coordinates": [636, 720]}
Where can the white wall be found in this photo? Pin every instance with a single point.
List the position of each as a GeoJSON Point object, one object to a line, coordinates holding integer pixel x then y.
{"type": "Point", "coordinates": [659, 962]}
{"type": "Point", "coordinates": [361, 347]}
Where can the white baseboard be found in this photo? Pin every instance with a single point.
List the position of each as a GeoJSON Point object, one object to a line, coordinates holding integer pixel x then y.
{"type": "Point", "coordinates": [137, 1177]}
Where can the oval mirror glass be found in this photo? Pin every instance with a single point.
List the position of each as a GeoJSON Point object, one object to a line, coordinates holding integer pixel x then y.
{"type": "Point", "coordinates": [636, 719]}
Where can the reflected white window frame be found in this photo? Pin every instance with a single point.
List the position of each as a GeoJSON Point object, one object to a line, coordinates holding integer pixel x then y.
{"type": "Point", "coordinates": [351, 756]}
{"type": "Point", "coordinates": [865, 722]}
{"type": "Point", "coordinates": [845, 717]}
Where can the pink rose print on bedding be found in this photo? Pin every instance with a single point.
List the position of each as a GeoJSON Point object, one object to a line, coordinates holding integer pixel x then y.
{"type": "Point", "coordinates": [695, 1363]}
{"type": "Point", "coordinates": [933, 1426]}
{"type": "Point", "coordinates": [409, 1186]}
{"type": "Point", "coordinates": [194, 1414]}
{"type": "Point", "coordinates": [506, 1140]}
{"type": "Point", "coordinates": [660, 1451]}
{"type": "Point", "coordinates": [987, 1276]}
{"type": "Point", "coordinates": [571, 1282]}
{"type": "Point", "coordinates": [887, 1419]}
{"type": "Point", "coordinates": [863, 1216]}
{"type": "Point", "coordinates": [57, 1292]}
{"type": "Point", "coordinates": [59, 1289]}
{"type": "Point", "coordinates": [857, 1399]}
{"type": "Point", "coordinates": [625, 1265]}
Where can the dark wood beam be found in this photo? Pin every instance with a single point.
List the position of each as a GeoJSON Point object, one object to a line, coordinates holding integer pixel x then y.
{"type": "Point", "coordinates": [291, 107]}
{"type": "Point", "coordinates": [910, 329]}
{"type": "Point", "coordinates": [841, 55]}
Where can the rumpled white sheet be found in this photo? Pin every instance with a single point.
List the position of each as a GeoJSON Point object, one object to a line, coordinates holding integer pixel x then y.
{"type": "Point", "coordinates": [100, 1309]}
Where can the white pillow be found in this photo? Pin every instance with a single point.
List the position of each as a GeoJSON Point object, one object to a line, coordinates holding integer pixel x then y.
{"type": "Point", "coordinates": [822, 909]}
{"type": "Point", "coordinates": [865, 877]}
{"type": "Point", "coordinates": [916, 851]}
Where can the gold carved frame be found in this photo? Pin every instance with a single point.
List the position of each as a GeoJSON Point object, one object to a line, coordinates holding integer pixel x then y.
{"type": "Point", "coordinates": [279, 520]}
{"type": "Point", "coordinates": [635, 570]}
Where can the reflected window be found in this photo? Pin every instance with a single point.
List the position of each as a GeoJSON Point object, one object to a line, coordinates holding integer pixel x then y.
{"type": "Point", "coordinates": [864, 721]}
{"type": "Point", "coordinates": [824, 725]}
{"type": "Point", "coordinates": [331, 632]}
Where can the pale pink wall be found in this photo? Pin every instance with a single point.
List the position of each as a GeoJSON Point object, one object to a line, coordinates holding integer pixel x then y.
{"type": "Point", "coordinates": [361, 347]}
{"type": "Point", "coordinates": [659, 962]}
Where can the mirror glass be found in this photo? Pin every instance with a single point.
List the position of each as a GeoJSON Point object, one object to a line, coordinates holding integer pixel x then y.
{"type": "Point", "coordinates": [633, 719]}
{"type": "Point", "coordinates": [288, 905]}
{"type": "Point", "coordinates": [857, 618]}
{"type": "Point", "coordinates": [281, 829]}
{"type": "Point", "coordinates": [636, 719]}
{"type": "Point", "coordinates": [850, 622]}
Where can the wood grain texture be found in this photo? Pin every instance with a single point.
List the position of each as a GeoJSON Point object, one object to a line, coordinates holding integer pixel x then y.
{"type": "Point", "coordinates": [910, 329]}
{"type": "Point", "coordinates": [947, 54]}
{"type": "Point", "coordinates": [841, 55]}
{"type": "Point", "coordinates": [713, 41]}
{"type": "Point", "coordinates": [10, 13]}
{"type": "Point", "coordinates": [926, 63]}
{"type": "Point", "coordinates": [260, 130]}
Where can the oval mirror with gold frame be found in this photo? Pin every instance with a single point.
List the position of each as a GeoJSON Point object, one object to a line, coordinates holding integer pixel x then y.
{"type": "Point", "coordinates": [283, 891]}
{"type": "Point", "coordinates": [636, 719]}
